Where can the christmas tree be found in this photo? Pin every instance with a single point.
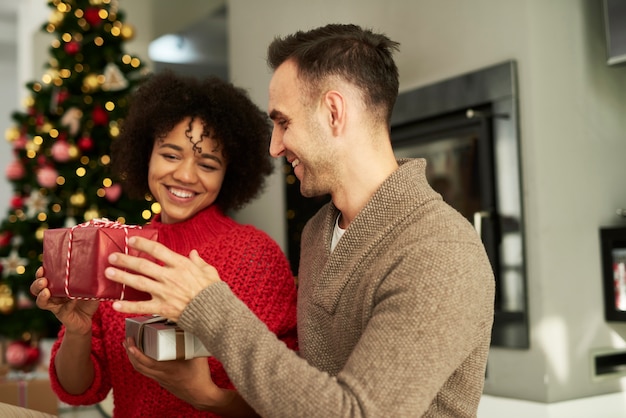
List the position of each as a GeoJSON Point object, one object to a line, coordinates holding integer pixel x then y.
{"type": "Point", "coordinates": [61, 171]}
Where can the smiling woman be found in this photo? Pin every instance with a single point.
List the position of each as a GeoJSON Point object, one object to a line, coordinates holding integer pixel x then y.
{"type": "Point", "coordinates": [199, 147]}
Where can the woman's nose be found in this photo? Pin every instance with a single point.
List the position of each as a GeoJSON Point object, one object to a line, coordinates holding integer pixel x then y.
{"type": "Point", "coordinates": [186, 172]}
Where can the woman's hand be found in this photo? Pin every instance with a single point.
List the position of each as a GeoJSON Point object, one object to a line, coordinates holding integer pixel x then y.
{"type": "Point", "coordinates": [75, 314]}
{"type": "Point", "coordinates": [189, 380]}
{"type": "Point", "coordinates": [172, 285]}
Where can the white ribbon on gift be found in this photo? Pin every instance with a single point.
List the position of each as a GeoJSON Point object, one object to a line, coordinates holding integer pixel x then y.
{"type": "Point", "coordinates": [98, 223]}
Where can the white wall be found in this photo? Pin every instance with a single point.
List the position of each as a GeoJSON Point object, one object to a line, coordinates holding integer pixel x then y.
{"type": "Point", "coordinates": [572, 109]}
{"type": "Point", "coordinates": [8, 77]}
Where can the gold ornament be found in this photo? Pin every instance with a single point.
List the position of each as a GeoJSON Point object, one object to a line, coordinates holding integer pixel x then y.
{"type": "Point", "coordinates": [90, 83]}
{"type": "Point", "coordinates": [127, 32]}
{"type": "Point", "coordinates": [11, 134]}
{"type": "Point", "coordinates": [40, 231]}
{"type": "Point", "coordinates": [73, 151]}
{"type": "Point", "coordinates": [7, 303]}
{"type": "Point", "coordinates": [55, 18]}
{"type": "Point", "coordinates": [78, 199]}
{"type": "Point", "coordinates": [92, 213]}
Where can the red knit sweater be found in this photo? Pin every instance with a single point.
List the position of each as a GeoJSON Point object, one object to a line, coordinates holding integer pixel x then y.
{"type": "Point", "coordinates": [247, 259]}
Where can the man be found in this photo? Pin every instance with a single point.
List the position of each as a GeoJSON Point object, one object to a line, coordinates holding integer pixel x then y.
{"type": "Point", "coordinates": [395, 298]}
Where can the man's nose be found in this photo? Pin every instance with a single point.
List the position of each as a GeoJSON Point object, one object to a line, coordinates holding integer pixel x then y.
{"type": "Point", "coordinates": [276, 144]}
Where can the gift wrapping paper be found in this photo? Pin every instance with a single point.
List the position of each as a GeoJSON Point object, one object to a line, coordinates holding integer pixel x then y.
{"type": "Point", "coordinates": [74, 259]}
{"type": "Point", "coordinates": [162, 340]}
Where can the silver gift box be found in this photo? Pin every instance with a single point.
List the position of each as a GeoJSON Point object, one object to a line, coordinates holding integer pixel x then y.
{"type": "Point", "coordinates": [162, 340]}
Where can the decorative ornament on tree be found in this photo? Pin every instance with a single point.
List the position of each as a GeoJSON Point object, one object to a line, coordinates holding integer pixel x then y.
{"type": "Point", "coordinates": [58, 97]}
{"type": "Point", "coordinates": [113, 192]}
{"type": "Point", "coordinates": [91, 83]}
{"type": "Point", "coordinates": [70, 222]}
{"type": "Point", "coordinates": [127, 32]}
{"type": "Point", "coordinates": [99, 116]}
{"type": "Point", "coordinates": [61, 151]}
{"type": "Point", "coordinates": [12, 263]}
{"type": "Point", "coordinates": [72, 47]}
{"type": "Point", "coordinates": [15, 170]}
{"type": "Point", "coordinates": [7, 303]}
{"type": "Point", "coordinates": [78, 199]}
{"type": "Point", "coordinates": [24, 301]}
{"type": "Point", "coordinates": [92, 213]}
{"type": "Point", "coordinates": [47, 177]}
{"type": "Point", "coordinates": [92, 16]}
{"type": "Point", "coordinates": [85, 144]}
{"type": "Point", "coordinates": [55, 17]}
{"type": "Point", "coordinates": [12, 133]}
{"type": "Point", "coordinates": [114, 79]}
{"type": "Point", "coordinates": [20, 143]}
{"type": "Point", "coordinates": [71, 119]}
{"type": "Point", "coordinates": [39, 120]}
{"type": "Point", "coordinates": [35, 203]}
{"type": "Point", "coordinates": [5, 238]}
{"type": "Point", "coordinates": [17, 202]}
{"type": "Point", "coordinates": [22, 355]}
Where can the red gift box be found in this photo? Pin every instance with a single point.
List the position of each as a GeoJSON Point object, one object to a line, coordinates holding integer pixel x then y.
{"type": "Point", "coordinates": [74, 259]}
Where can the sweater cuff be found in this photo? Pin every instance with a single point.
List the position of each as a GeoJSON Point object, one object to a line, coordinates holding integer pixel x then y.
{"type": "Point", "coordinates": [211, 313]}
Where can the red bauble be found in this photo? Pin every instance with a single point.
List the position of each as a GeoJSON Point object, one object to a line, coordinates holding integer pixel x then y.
{"type": "Point", "coordinates": [92, 16]}
{"type": "Point", "coordinates": [5, 238]}
{"type": "Point", "coordinates": [85, 144]}
{"type": "Point", "coordinates": [62, 96]}
{"type": "Point", "coordinates": [21, 355]}
{"type": "Point", "coordinates": [100, 116]}
{"type": "Point", "coordinates": [17, 202]}
{"type": "Point", "coordinates": [72, 48]}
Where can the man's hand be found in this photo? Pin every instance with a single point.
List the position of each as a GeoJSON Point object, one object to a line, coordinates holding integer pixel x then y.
{"type": "Point", "coordinates": [173, 284]}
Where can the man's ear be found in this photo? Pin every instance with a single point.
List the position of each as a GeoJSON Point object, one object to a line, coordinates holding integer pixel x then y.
{"type": "Point", "coordinates": [335, 104]}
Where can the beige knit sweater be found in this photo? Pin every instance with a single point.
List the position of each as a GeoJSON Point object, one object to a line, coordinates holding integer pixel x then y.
{"type": "Point", "coordinates": [396, 322]}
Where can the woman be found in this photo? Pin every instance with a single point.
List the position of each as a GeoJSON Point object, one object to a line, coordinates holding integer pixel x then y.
{"type": "Point", "coordinates": [200, 149]}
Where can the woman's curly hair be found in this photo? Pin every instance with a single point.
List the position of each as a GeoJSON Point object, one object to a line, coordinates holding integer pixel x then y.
{"type": "Point", "coordinates": [239, 127]}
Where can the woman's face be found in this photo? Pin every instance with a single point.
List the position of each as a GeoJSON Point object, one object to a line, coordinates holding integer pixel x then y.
{"type": "Point", "coordinates": [185, 178]}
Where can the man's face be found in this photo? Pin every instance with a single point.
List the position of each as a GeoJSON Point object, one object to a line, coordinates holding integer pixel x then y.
{"type": "Point", "coordinates": [299, 132]}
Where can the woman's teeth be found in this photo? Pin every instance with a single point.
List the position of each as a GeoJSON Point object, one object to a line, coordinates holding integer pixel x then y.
{"type": "Point", "coordinates": [181, 193]}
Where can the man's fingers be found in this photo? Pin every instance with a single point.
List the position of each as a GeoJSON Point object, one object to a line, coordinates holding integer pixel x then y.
{"type": "Point", "coordinates": [143, 307]}
{"type": "Point", "coordinates": [135, 281]}
{"type": "Point", "coordinates": [156, 250]}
